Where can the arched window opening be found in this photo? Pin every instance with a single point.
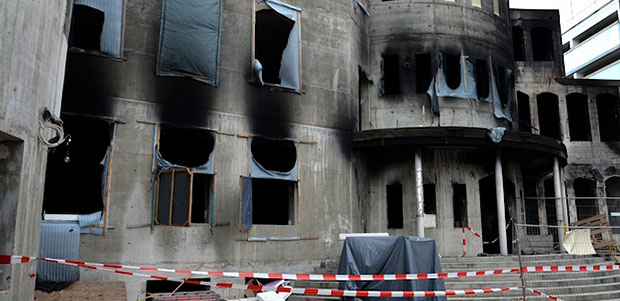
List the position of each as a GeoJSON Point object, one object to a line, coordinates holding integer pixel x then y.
{"type": "Point", "coordinates": [525, 118]}
{"type": "Point", "coordinates": [189, 147]}
{"type": "Point", "coordinates": [482, 79]}
{"type": "Point", "coordinates": [390, 77]}
{"type": "Point", "coordinates": [585, 190]}
{"type": "Point", "coordinates": [277, 155]}
{"type": "Point", "coordinates": [549, 115]}
{"type": "Point", "coordinates": [452, 69]}
{"type": "Point", "coordinates": [542, 44]}
{"type": "Point", "coordinates": [423, 72]}
{"type": "Point", "coordinates": [517, 43]}
{"type": "Point", "coordinates": [578, 117]}
{"type": "Point", "coordinates": [501, 80]}
{"type": "Point", "coordinates": [608, 121]}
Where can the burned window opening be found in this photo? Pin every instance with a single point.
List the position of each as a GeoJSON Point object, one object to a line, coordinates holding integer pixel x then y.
{"type": "Point", "coordinates": [430, 199]}
{"type": "Point", "coordinates": [608, 121]}
{"type": "Point", "coordinates": [173, 202]}
{"type": "Point", "coordinates": [423, 72]}
{"type": "Point", "coordinates": [394, 196]}
{"type": "Point", "coordinates": [188, 147]}
{"type": "Point", "coordinates": [525, 118]}
{"type": "Point", "coordinates": [453, 71]}
{"type": "Point", "coordinates": [391, 74]}
{"type": "Point", "coordinates": [273, 202]}
{"type": "Point", "coordinates": [86, 28]}
{"type": "Point", "coordinates": [531, 207]}
{"type": "Point", "coordinates": [549, 115]}
{"type": "Point", "coordinates": [585, 188]}
{"type": "Point", "coordinates": [75, 174]}
{"type": "Point", "coordinates": [542, 44]}
{"type": "Point", "coordinates": [552, 217]}
{"type": "Point", "coordinates": [272, 35]}
{"type": "Point", "coordinates": [612, 189]}
{"type": "Point", "coordinates": [518, 45]}
{"type": "Point", "coordinates": [201, 198]}
{"type": "Point", "coordinates": [165, 286]}
{"type": "Point", "coordinates": [277, 155]}
{"type": "Point", "coordinates": [578, 117]}
{"type": "Point", "coordinates": [459, 205]}
{"type": "Point", "coordinates": [502, 84]}
{"type": "Point", "coordinates": [482, 79]}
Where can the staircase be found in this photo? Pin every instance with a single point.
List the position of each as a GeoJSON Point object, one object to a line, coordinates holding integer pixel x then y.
{"type": "Point", "coordinates": [603, 285]}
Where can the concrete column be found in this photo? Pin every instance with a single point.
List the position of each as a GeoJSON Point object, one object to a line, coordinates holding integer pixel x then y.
{"type": "Point", "coordinates": [499, 193]}
{"type": "Point", "coordinates": [564, 199]}
{"type": "Point", "coordinates": [559, 209]}
{"type": "Point", "coordinates": [419, 191]}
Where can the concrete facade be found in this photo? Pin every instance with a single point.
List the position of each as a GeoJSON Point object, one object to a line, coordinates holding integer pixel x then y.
{"type": "Point", "coordinates": [351, 140]}
{"type": "Point", "coordinates": [33, 46]}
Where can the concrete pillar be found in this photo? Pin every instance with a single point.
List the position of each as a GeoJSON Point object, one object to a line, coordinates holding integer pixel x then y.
{"type": "Point", "coordinates": [499, 193]}
{"type": "Point", "coordinates": [419, 191]}
{"type": "Point", "coordinates": [559, 209]}
{"type": "Point", "coordinates": [564, 199]}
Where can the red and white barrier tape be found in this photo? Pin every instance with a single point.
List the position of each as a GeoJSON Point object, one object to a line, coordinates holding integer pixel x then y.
{"type": "Point", "coordinates": [480, 236]}
{"type": "Point", "coordinates": [309, 291]}
{"type": "Point", "coordinates": [13, 259]}
{"type": "Point", "coordinates": [463, 254]}
{"type": "Point", "coordinates": [543, 294]}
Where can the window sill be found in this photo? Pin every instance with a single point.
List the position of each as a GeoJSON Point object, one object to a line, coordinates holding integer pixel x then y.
{"type": "Point", "coordinates": [275, 87]}
{"type": "Point", "coordinates": [96, 53]}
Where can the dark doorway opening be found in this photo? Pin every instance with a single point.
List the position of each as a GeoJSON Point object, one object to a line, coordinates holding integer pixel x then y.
{"type": "Point", "coordinates": [542, 44]}
{"type": "Point", "coordinates": [86, 27]}
{"type": "Point", "coordinates": [488, 209]}
{"type": "Point", "coordinates": [585, 191]}
{"type": "Point", "coordinates": [531, 207]}
{"type": "Point", "coordinates": [391, 74]}
{"type": "Point", "coordinates": [459, 205]}
{"type": "Point", "coordinates": [75, 175]}
{"type": "Point", "coordinates": [272, 32]}
{"type": "Point", "coordinates": [549, 115]}
{"type": "Point", "coordinates": [273, 202]}
{"type": "Point", "coordinates": [430, 199]}
{"type": "Point", "coordinates": [525, 118]}
{"type": "Point", "coordinates": [612, 189]}
{"type": "Point", "coordinates": [578, 117]}
{"type": "Point", "coordinates": [552, 214]}
{"type": "Point", "coordinates": [482, 79]}
{"type": "Point", "coordinates": [517, 43]}
{"type": "Point", "coordinates": [423, 72]}
{"type": "Point", "coordinates": [452, 67]}
{"type": "Point", "coordinates": [277, 155]}
{"type": "Point", "coordinates": [394, 205]}
{"type": "Point", "coordinates": [608, 121]}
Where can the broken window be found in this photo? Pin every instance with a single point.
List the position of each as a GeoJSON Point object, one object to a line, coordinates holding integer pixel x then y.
{"type": "Point", "coordinates": [608, 120]}
{"type": "Point", "coordinates": [548, 115]}
{"type": "Point", "coordinates": [390, 79]}
{"type": "Point", "coordinates": [501, 79]}
{"type": "Point", "coordinates": [459, 205]}
{"type": "Point", "coordinates": [542, 44]}
{"type": "Point", "coordinates": [189, 39]}
{"type": "Point", "coordinates": [394, 205]}
{"type": "Point", "coordinates": [482, 79]}
{"type": "Point", "coordinates": [585, 191]}
{"type": "Point", "coordinates": [185, 181]}
{"type": "Point", "coordinates": [423, 72]}
{"type": "Point", "coordinates": [525, 119]}
{"type": "Point", "coordinates": [77, 171]}
{"type": "Point", "coordinates": [171, 290]}
{"type": "Point", "coordinates": [276, 55]}
{"type": "Point", "coordinates": [578, 117]}
{"type": "Point", "coordinates": [518, 45]}
{"type": "Point", "coordinates": [612, 190]}
{"type": "Point", "coordinates": [268, 195]}
{"type": "Point", "coordinates": [430, 199]}
{"type": "Point", "coordinates": [97, 26]}
{"type": "Point", "coordinates": [531, 208]}
{"type": "Point", "coordinates": [453, 71]}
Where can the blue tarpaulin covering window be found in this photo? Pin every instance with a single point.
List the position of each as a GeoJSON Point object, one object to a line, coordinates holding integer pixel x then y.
{"type": "Point", "coordinates": [189, 39]}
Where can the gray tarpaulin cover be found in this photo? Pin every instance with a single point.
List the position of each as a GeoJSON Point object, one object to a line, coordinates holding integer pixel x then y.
{"type": "Point", "coordinates": [498, 108]}
{"type": "Point", "coordinates": [258, 171]}
{"type": "Point", "coordinates": [110, 43]}
{"type": "Point", "coordinates": [189, 39]}
{"type": "Point", "coordinates": [390, 255]}
{"type": "Point", "coordinates": [439, 86]}
{"type": "Point", "coordinates": [246, 203]}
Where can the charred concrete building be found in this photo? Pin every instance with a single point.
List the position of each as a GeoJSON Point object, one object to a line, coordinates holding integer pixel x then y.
{"type": "Point", "coordinates": [247, 135]}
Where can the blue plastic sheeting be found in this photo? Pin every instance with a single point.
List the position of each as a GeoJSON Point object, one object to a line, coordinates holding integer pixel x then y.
{"type": "Point", "coordinates": [206, 168]}
{"type": "Point", "coordinates": [246, 203]}
{"type": "Point", "coordinates": [439, 85]}
{"type": "Point", "coordinates": [289, 65]}
{"type": "Point", "coordinates": [58, 239]}
{"type": "Point", "coordinates": [499, 110]}
{"type": "Point", "coordinates": [111, 32]}
{"type": "Point", "coordinates": [93, 219]}
{"type": "Point", "coordinates": [258, 171]}
{"type": "Point", "coordinates": [390, 255]}
{"type": "Point", "coordinates": [189, 39]}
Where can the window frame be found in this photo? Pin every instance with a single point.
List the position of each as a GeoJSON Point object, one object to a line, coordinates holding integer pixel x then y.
{"type": "Point", "coordinates": [172, 199]}
{"type": "Point", "coordinates": [253, 51]}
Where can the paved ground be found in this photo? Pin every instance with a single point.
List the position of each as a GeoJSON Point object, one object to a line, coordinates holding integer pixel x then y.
{"type": "Point", "coordinates": [105, 290]}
